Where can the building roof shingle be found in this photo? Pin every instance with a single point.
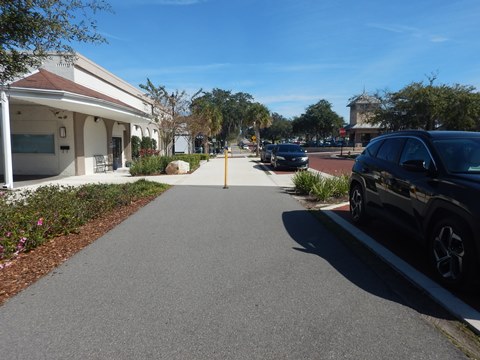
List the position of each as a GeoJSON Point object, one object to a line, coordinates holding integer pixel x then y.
{"type": "Point", "coordinates": [46, 80]}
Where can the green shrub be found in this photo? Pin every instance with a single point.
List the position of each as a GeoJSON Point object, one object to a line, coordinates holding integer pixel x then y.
{"type": "Point", "coordinates": [27, 221]}
{"type": "Point", "coordinates": [135, 146]}
{"type": "Point", "coordinates": [155, 165]}
{"type": "Point", "coordinates": [148, 165]}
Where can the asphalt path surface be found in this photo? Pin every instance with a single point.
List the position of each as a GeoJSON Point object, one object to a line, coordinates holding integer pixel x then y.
{"type": "Point", "coordinates": [204, 272]}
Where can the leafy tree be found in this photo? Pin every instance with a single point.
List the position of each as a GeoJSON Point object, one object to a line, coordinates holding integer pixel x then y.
{"type": "Point", "coordinates": [319, 120]}
{"type": "Point", "coordinates": [205, 119]}
{"type": "Point", "coordinates": [258, 116]}
{"type": "Point", "coordinates": [429, 107]}
{"type": "Point", "coordinates": [31, 29]}
{"type": "Point", "coordinates": [170, 112]}
{"type": "Point", "coordinates": [281, 128]}
{"type": "Point", "coordinates": [461, 109]}
{"type": "Point", "coordinates": [301, 127]}
{"type": "Point", "coordinates": [233, 108]}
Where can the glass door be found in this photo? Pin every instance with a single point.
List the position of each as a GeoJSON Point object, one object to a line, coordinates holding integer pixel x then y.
{"type": "Point", "coordinates": [117, 152]}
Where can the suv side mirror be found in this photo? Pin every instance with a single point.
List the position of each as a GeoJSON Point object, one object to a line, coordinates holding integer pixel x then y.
{"type": "Point", "coordinates": [414, 165]}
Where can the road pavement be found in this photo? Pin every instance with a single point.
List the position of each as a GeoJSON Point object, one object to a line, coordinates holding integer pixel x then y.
{"type": "Point", "coordinates": [208, 272]}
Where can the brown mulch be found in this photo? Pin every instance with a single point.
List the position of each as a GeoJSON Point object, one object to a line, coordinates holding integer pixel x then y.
{"type": "Point", "coordinates": [30, 266]}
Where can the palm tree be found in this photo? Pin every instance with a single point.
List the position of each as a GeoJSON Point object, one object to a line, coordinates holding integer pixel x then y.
{"type": "Point", "coordinates": [206, 119]}
{"type": "Point", "coordinates": [259, 117]}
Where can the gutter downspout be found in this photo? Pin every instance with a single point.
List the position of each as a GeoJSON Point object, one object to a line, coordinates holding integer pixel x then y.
{"type": "Point", "coordinates": [7, 146]}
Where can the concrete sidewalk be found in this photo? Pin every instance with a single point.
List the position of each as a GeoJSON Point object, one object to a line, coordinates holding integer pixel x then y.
{"type": "Point", "coordinates": [241, 171]}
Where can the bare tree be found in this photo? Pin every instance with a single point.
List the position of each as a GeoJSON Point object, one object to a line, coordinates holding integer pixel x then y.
{"type": "Point", "coordinates": [169, 111]}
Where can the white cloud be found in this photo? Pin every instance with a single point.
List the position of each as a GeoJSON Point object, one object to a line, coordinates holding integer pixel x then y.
{"type": "Point", "coordinates": [399, 29]}
{"type": "Point", "coordinates": [111, 36]}
{"type": "Point", "coordinates": [438, 38]}
{"type": "Point", "coordinates": [409, 30]}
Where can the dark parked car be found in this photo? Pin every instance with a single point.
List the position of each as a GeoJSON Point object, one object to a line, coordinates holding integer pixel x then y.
{"type": "Point", "coordinates": [289, 156]}
{"type": "Point", "coordinates": [266, 153]}
{"type": "Point", "coordinates": [427, 183]}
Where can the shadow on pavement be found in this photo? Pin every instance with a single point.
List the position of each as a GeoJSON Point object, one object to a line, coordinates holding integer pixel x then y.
{"type": "Point", "coordinates": [358, 265]}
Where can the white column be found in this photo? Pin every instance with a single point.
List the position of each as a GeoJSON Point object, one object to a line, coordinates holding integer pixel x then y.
{"type": "Point", "coordinates": [7, 147]}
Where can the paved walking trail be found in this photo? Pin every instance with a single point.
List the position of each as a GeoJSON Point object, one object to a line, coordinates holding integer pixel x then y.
{"type": "Point", "coordinates": [205, 272]}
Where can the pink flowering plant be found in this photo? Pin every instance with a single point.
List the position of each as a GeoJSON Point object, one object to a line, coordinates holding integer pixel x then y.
{"type": "Point", "coordinates": [29, 220]}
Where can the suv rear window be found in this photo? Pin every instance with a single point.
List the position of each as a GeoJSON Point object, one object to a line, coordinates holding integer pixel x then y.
{"type": "Point", "coordinates": [390, 149]}
{"type": "Point", "coordinates": [372, 148]}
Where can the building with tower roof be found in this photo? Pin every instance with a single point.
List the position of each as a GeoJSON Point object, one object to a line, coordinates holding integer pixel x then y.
{"type": "Point", "coordinates": [359, 130]}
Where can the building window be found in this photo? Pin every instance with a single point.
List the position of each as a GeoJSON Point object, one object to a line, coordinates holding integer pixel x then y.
{"type": "Point", "coordinates": [33, 144]}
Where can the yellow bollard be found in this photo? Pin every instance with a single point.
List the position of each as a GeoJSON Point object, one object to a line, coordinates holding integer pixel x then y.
{"type": "Point", "coordinates": [226, 168]}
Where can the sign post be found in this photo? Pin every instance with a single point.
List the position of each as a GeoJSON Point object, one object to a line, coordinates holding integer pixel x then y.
{"type": "Point", "coordinates": [226, 167]}
{"type": "Point", "coordinates": [342, 132]}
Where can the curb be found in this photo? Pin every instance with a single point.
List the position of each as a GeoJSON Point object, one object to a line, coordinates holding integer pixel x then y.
{"type": "Point", "coordinates": [439, 294]}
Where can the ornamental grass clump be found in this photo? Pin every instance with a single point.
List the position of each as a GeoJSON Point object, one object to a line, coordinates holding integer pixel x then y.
{"type": "Point", "coordinates": [320, 187]}
{"type": "Point", "coordinates": [29, 220]}
{"type": "Point", "coordinates": [304, 181]}
{"type": "Point", "coordinates": [330, 188]}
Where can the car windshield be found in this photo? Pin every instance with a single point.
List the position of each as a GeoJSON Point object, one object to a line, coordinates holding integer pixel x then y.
{"type": "Point", "coordinates": [460, 155]}
{"type": "Point", "coordinates": [289, 148]}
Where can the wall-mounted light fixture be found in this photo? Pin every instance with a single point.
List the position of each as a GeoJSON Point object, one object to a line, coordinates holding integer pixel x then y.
{"type": "Point", "coordinates": [62, 131]}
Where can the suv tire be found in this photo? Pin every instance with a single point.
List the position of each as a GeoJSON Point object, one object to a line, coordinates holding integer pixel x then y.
{"type": "Point", "coordinates": [357, 205]}
{"type": "Point", "coordinates": [452, 253]}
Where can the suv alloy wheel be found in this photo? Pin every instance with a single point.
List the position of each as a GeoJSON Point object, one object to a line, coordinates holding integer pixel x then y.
{"type": "Point", "coordinates": [357, 205]}
{"type": "Point", "coordinates": [452, 252]}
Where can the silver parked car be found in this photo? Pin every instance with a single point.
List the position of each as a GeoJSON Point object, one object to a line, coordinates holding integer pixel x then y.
{"type": "Point", "coordinates": [266, 153]}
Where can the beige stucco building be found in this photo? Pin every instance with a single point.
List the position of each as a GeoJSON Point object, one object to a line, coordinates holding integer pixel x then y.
{"type": "Point", "coordinates": [62, 114]}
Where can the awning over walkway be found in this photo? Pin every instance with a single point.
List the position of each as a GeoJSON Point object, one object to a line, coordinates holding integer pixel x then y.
{"type": "Point", "coordinates": [48, 89]}
{"type": "Point", "coordinates": [64, 100]}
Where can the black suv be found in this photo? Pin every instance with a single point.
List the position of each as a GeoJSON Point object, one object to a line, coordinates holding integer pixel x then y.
{"type": "Point", "coordinates": [428, 183]}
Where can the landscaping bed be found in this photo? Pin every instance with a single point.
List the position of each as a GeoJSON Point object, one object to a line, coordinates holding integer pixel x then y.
{"type": "Point", "coordinates": [23, 268]}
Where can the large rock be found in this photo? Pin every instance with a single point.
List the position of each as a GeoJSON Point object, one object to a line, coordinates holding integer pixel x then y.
{"type": "Point", "coordinates": [177, 167]}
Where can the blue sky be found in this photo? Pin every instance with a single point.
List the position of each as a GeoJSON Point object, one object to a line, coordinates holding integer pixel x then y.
{"type": "Point", "coordinates": [289, 54]}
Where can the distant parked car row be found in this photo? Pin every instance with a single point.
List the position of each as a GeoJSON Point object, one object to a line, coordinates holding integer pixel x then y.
{"type": "Point", "coordinates": [326, 143]}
